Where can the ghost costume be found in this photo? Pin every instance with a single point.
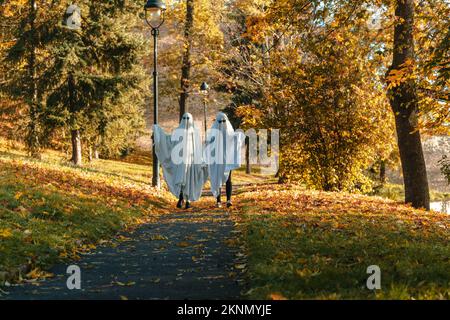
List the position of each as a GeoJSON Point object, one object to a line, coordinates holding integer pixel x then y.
{"type": "Point", "coordinates": [223, 151]}
{"type": "Point", "coordinates": [181, 158]}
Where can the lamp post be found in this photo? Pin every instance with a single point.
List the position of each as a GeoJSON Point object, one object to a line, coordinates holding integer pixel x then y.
{"type": "Point", "coordinates": [154, 16]}
{"type": "Point", "coordinates": [204, 90]}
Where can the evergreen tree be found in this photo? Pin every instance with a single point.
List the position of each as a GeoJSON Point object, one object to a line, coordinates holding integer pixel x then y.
{"type": "Point", "coordinates": [92, 69]}
{"type": "Point", "coordinates": [26, 57]}
{"type": "Point", "coordinates": [87, 82]}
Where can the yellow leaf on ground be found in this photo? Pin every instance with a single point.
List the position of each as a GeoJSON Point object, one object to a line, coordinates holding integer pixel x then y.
{"type": "Point", "coordinates": [183, 244]}
{"type": "Point", "coordinates": [5, 233]}
{"type": "Point", "coordinates": [277, 296]}
{"type": "Point", "coordinates": [122, 284]}
{"type": "Point", "coordinates": [37, 274]}
{"type": "Point", "coordinates": [158, 237]}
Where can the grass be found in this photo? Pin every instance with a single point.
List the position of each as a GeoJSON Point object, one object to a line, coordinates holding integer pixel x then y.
{"type": "Point", "coordinates": [256, 176]}
{"type": "Point", "coordinates": [316, 245]}
{"type": "Point", "coordinates": [396, 192]}
{"type": "Point", "coordinates": [51, 211]}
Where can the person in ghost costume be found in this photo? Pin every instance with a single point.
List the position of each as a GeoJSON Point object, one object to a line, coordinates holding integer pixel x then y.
{"type": "Point", "coordinates": [223, 154]}
{"type": "Point", "coordinates": [181, 158]}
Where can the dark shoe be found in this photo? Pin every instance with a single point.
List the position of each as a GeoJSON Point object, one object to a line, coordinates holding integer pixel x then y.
{"type": "Point", "coordinates": [229, 204]}
{"type": "Point", "coordinates": [180, 204]}
{"type": "Point", "coordinates": [188, 205]}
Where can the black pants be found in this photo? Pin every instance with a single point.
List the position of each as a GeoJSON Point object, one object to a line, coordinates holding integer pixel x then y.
{"type": "Point", "coordinates": [228, 189]}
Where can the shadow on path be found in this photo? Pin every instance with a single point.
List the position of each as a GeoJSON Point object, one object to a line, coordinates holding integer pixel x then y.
{"type": "Point", "coordinates": [183, 255]}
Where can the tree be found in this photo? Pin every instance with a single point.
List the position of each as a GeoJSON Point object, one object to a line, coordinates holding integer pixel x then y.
{"type": "Point", "coordinates": [432, 58]}
{"type": "Point", "coordinates": [186, 62]}
{"type": "Point", "coordinates": [318, 81]}
{"type": "Point", "coordinates": [86, 82]}
{"type": "Point", "coordinates": [205, 48]}
{"type": "Point", "coordinates": [242, 68]}
{"type": "Point", "coordinates": [113, 130]}
{"type": "Point", "coordinates": [330, 113]}
{"type": "Point", "coordinates": [404, 103]}
{"type": "Point", "coordinates": [445, 167]}
{"type": "Point", "coordinates": [11, 108]}
{"type": "Point", "coordinates": [25, 56]}
{"type": "Point", "coordinates": [91, 70]}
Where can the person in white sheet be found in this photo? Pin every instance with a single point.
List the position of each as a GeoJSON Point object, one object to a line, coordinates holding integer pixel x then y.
{"type": "Point", "coordinates": [181, 157]}
{"type": "Point", "coordinates": [223, 154]}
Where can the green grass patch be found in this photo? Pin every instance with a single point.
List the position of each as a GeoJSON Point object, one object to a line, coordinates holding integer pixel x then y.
{"type": "Point", "coordinates": [312, 245]}
{"type": "Point", "coordinates": [396, 192]}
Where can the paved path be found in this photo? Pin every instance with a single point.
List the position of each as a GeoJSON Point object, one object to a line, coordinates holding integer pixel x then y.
{"type": "Point", "coordinates": [184, 255]}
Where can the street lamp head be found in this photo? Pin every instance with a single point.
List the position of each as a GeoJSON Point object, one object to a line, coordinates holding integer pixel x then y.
{"type": "Point", "coordinates": [204, 88]}
{"type": "Point", "coordinates": [154, 13]}
{"type": "Point", "coordinates": [154, 5]}
{"type": "Point", "coordinates": [72, 18]}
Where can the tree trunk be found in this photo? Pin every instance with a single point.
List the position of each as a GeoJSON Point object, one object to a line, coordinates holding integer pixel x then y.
{"type": "Point", "coordinates": [403, 100]}
{"type": "Point", "coordinates": [33, 143]}
{"type": "Point", "coordinates": [95, 147]}
{"type": "Point", "coordinates": [186, 65]}
{"type": "Point", "coordinates": [75, 132]}
{"type": "Point", "coordinates": [383, 171]}
{"type": "Point", "coordinates": [90, 154]}
{"type": "Point", "coordinates": [76, 147]}
{"type": "Point", "coordinates": [248, 167]}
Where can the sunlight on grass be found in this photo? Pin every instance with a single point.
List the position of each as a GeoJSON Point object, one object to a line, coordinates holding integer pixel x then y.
{"type": "Point", "coordinates": [317, 245]}
{"type": "Point", "coordinates": [103, 170]}
{"type": "Point", "coordinates": [51, 211]}
{"type": "Point", "coordinates": [397, 192]}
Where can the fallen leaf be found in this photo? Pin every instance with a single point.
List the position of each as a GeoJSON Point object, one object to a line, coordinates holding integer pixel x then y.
{"type": "Point", "coordinates": [183, 244]}
{"type": "Point", "coordinates": [122, 284]}
{"type": "Point", "coordinates": [18, 195]}
{"type": "Point", "coordinates": [277, 296]}
{"type": "Point", "coordinates": [158, 237]}
{"type": "Point", "coordinates": [5, 233]}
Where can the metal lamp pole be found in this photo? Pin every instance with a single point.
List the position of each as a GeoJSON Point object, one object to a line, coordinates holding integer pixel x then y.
{"type": "Point", "coordinates": [154, 16]}
{"type": "Point", "coordinates": [155, 179]}
{"type": "Point", "coordinates": [204, 90]}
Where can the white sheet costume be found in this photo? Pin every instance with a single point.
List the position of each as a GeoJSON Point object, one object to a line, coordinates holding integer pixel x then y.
{"type": "Point", "coordinates": [223, 151]}
{"type": "Point", "coordinates": [181, 158]}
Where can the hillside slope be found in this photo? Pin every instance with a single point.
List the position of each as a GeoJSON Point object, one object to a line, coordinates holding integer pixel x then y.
{"type": "Point", "coordinates": [51, 212]}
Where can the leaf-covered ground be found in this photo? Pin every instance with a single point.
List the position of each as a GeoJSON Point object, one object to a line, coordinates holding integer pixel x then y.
{"type": "Point", "coordinates": [50, 211]}
{"type": "Point", "coordinates": [316, 245]}
{"type": "Point", "coordinates": [298, 244]}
